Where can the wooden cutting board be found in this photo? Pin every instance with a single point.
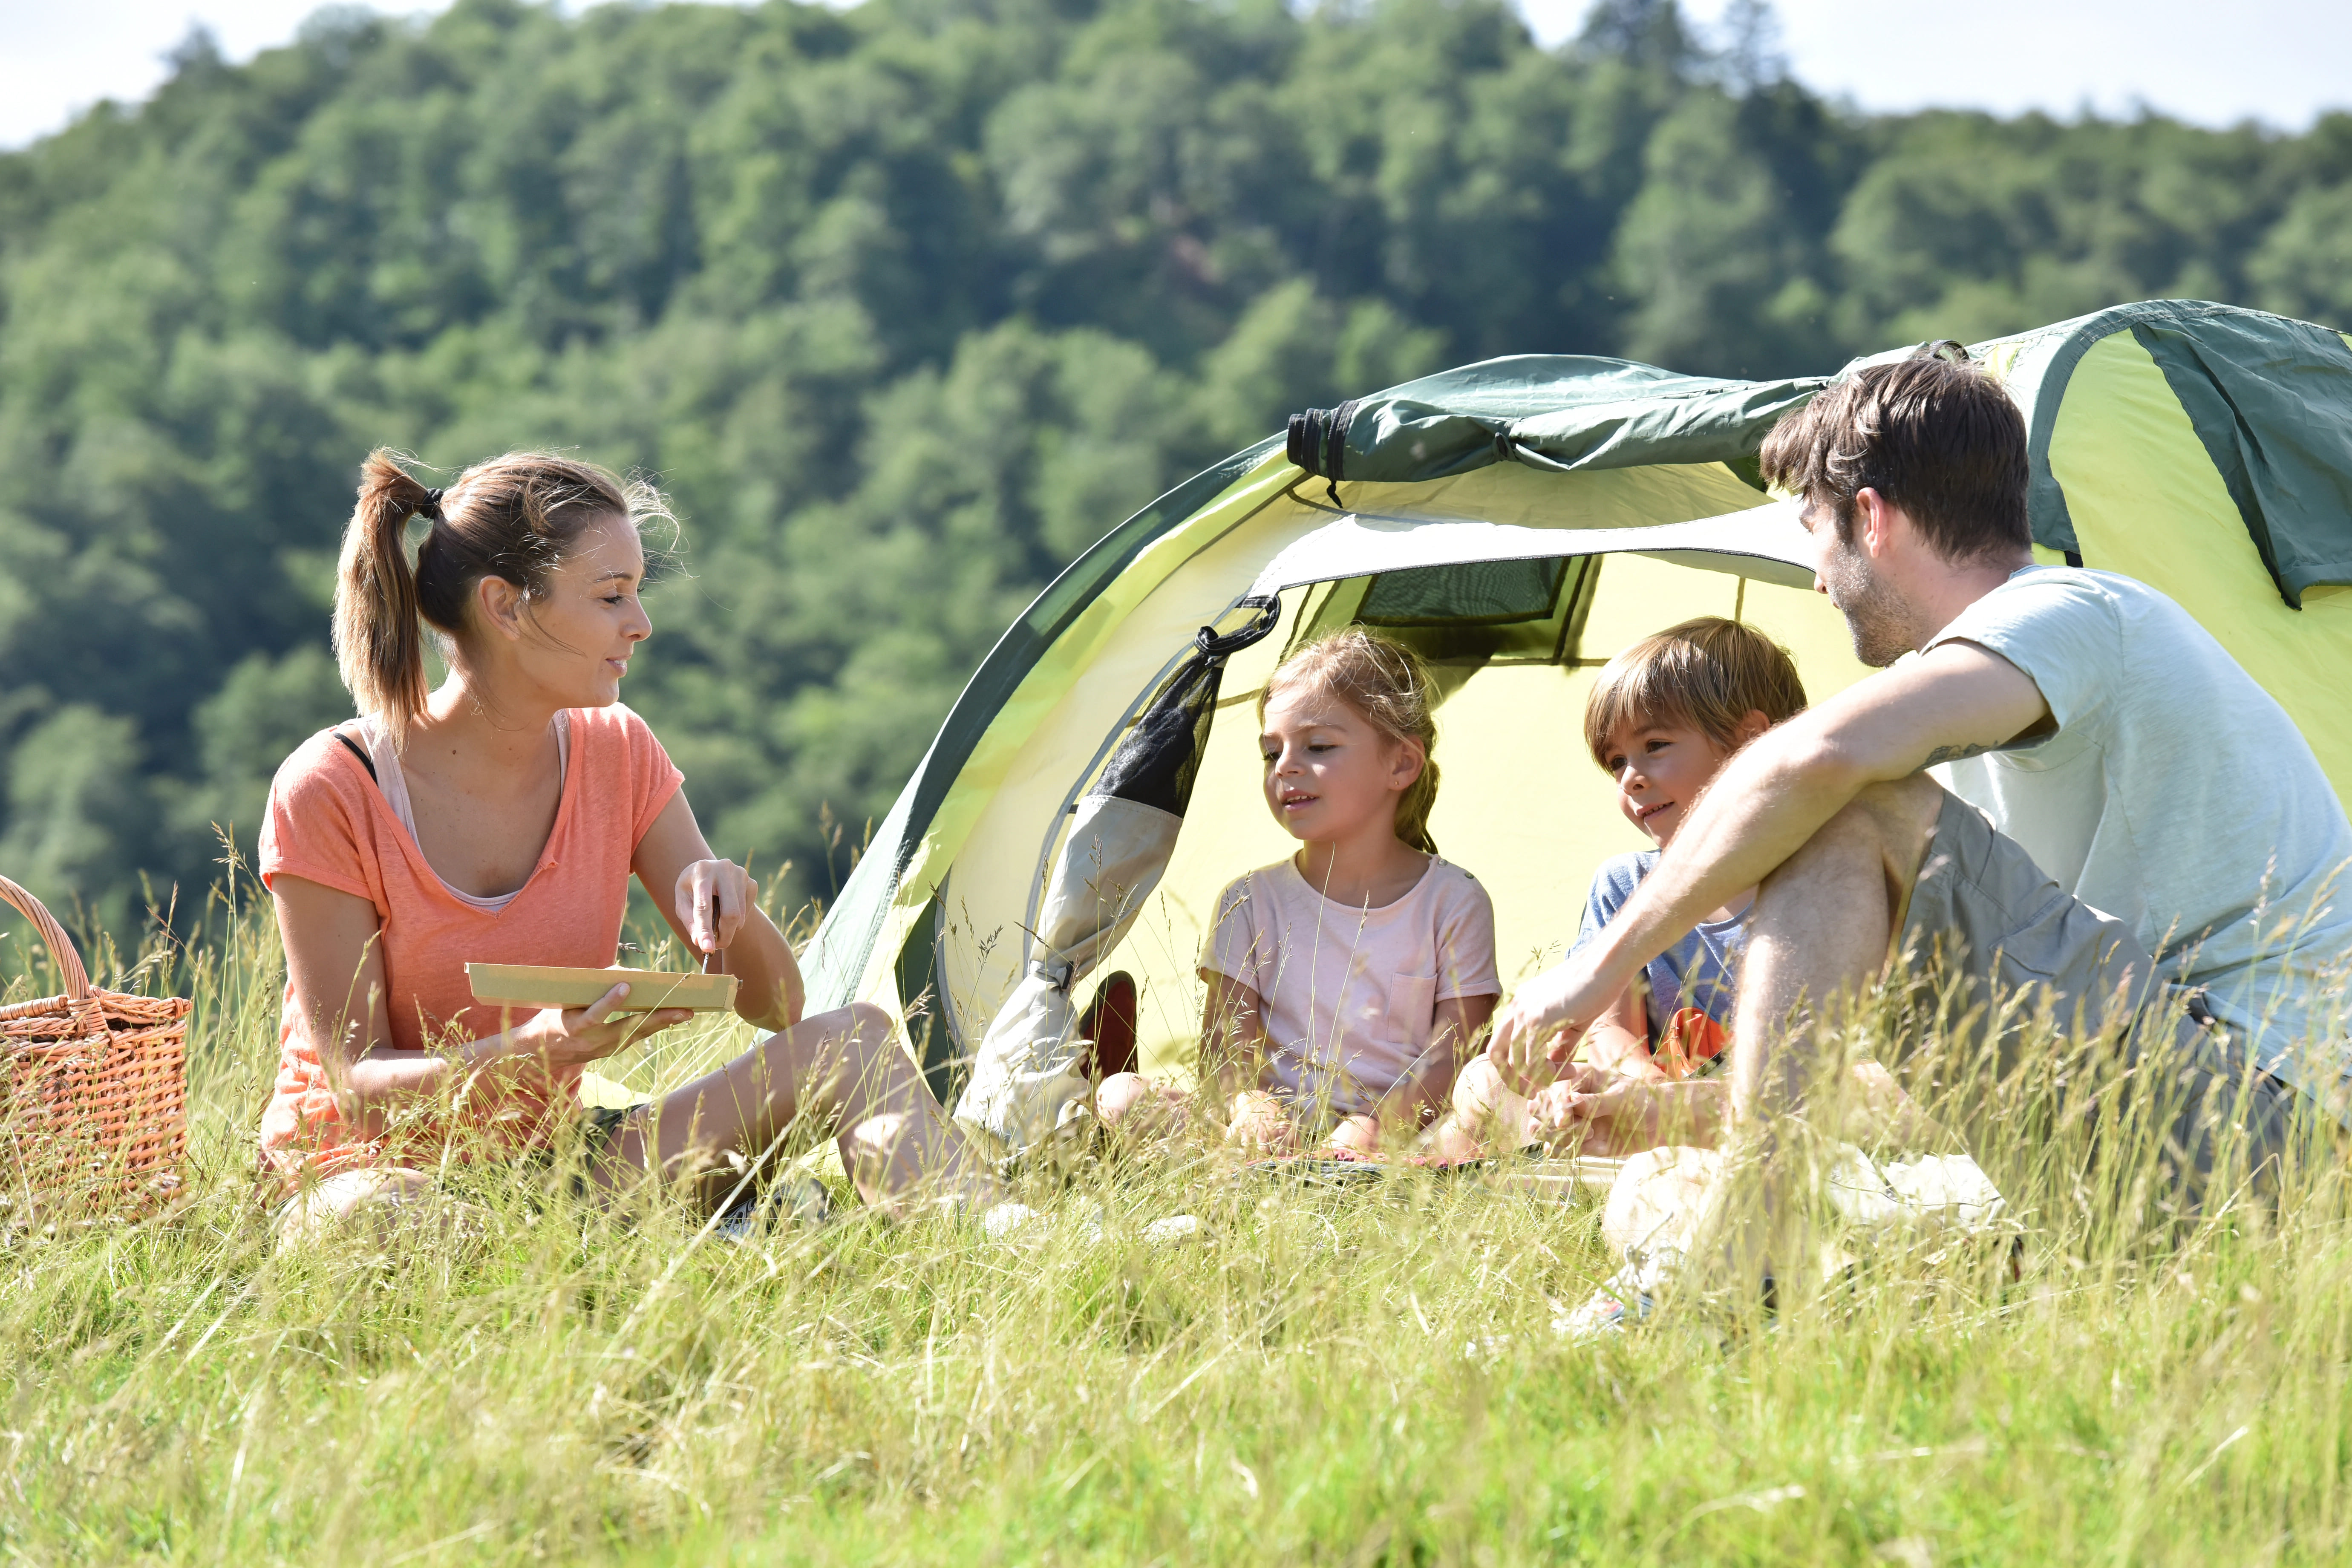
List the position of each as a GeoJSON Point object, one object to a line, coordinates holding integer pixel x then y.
{"type": "Point", "coordinates": [554, 986]}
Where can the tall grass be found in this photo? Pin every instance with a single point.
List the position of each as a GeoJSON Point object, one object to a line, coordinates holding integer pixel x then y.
{"type": "Point", "coordinates": [1360, 1375]}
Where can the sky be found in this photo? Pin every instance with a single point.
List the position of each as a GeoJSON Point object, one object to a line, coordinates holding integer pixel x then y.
{"type": "Point", "coordinates": [2280, 62]}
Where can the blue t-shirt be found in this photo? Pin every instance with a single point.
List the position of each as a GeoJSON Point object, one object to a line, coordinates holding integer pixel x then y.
{"type": "Point", "coordinates": [1694, 972]}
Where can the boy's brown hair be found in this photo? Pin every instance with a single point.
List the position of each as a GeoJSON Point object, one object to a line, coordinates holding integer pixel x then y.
{"type": "Point", "coordinates": [1707, 673]}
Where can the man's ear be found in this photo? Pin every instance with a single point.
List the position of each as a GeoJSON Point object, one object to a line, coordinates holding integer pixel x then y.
{"type": "Point", "coordinates": [1873, 520]}
{"type": "Point", "coordinates": [500, 603]}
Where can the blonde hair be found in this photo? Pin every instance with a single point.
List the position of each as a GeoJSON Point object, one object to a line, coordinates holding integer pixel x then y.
{"type": "Point", "coordinates": [1387, 683]}
{"type": "Point", "coordinates": [1707, 673]}
{"type": "Point", "coordinates": [510, 518]}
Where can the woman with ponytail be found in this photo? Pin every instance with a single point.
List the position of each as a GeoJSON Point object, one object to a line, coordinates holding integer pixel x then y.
{"type": "Point", "coordinates": [498, 819]}
{"type": "Point", "coordinates": [1348, 982]}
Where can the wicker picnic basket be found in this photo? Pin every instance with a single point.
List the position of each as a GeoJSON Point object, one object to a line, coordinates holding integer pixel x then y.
{"type": "Point", "coordinates": [93, 1084]}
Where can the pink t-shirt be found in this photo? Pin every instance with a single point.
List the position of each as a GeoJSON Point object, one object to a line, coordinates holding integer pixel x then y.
{"type": "Point", "coordinates": [329, 823]}
{"type": "Point", "coordinates": [1350, 994]}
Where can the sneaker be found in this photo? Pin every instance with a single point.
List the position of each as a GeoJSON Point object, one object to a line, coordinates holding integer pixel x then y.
{"type": "Point", "coordinates": [1605, 1310]}
{"type": "Point", "coordinates": [1003, 1221]}
{"type": "Point", "coordinates": [800, 1202]}
{"type": "Point", "coordinates": [1630, 1293]}
{"type": "Point", "coordinates": [1176, 1230]}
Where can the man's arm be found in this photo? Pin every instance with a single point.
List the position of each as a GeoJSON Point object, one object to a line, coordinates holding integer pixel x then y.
{"type": "Point", "coordinates": [1956, 700]}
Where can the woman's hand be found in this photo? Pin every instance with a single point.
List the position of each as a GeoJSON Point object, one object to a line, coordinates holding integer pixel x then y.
{"type": "Point", "coordinates": [682, 876]}
{"type": "Point", "coordinates": [706, 885]}
{"type": "Point", "coordinates": [1260, 1125]}
{"type": "Point", "coordinates": [559, 1038]}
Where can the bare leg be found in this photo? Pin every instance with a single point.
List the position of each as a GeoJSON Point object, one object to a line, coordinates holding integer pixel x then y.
{"type": "Point", "coordinates": [1634, 1115]}
{"type": "Point", "coordinates": [1820, 934]}
{"type": "Point", "coordinates": [1486, 1116]}
{"type": "Point", "coordinates": [846, 1066]}
{"type": "Point", "coordinates": [1140, 1112]}
{"type": "Point", "coordinates": [378, 1199]}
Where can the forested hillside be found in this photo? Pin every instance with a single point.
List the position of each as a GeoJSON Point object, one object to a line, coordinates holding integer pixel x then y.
{"type": "Point", "coordinates": [904, 305]}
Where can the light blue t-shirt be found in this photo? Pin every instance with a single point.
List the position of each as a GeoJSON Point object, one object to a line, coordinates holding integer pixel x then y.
{"type": "Point", "coordinates": [2178, 796]}
{"type": "Point", "coordinates": [1696, 971]}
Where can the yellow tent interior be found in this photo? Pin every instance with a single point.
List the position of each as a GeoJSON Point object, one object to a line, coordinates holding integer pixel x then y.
{"type": "Point", "coordinates": [1522, 806]}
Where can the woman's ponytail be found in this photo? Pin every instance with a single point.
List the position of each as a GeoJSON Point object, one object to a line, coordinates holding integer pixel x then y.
{"type": "Point", "coordinates": [511, 518]}
{"type": "Point", "coordinates": [378, 639]}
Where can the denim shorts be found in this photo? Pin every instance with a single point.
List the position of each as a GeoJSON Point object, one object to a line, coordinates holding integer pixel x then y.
{"type": "Point", "coordinates": [1994, 937]}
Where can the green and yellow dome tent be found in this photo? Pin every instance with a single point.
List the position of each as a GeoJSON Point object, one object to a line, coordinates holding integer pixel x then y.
{"type": "Point", "coordinates": [1518, 520]}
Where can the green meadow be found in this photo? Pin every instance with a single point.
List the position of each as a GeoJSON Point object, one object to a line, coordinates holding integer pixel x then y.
{"type": "Point", "coordinates": [904, 303]}
{"type": "Point", "coordinates": [1369, 1374]}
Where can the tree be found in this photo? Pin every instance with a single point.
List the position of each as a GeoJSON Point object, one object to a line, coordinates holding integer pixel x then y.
{"type": "Point", "coordinates": [904, 305]}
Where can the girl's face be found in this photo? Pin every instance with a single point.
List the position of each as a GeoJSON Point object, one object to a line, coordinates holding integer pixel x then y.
{"type": "Point", "coordinates": [574, 640]}
{"type": "Point", "coordinates": [1661, 768]}
{"type": "Point", "coordinates": [1329, 774]}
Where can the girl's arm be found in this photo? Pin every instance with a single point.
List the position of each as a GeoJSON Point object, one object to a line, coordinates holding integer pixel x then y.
{"type": "Point", "coordinates": [334, 964]}
{"type": "Point", "coordinates": [1420, 1098]}
{"type": "Point", "coordinates": [675, 863]}
{"type": "Point", "coordinates": [1233, 1052]}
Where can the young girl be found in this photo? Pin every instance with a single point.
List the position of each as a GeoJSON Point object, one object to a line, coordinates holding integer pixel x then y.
{"type": "Point", "coordinates": [1664, 718]}
{"type": "Point", "coordinates": [499, 818]}
{"type": "Point", "coordinates": [1345, 982]}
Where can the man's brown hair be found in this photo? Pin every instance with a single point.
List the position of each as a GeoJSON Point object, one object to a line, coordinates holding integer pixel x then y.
{"type": "Point", "coordinates": [1939, 439]}
{"type": "Point", "coordinates": [1707, 673]}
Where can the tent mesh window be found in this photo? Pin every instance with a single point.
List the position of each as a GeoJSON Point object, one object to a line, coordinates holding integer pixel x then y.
{"type": "Point", "coordinates": [1476, 593]}
{"type": "Point", "coordinates": [1472, 613]}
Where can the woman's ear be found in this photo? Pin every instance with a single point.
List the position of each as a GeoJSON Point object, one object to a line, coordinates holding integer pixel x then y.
{"type": "Point", "coordinates": [500, 603]}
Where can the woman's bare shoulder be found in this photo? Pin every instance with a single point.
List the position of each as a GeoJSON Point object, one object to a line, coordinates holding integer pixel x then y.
{"type": "Point", "coordinates": [322, 764]}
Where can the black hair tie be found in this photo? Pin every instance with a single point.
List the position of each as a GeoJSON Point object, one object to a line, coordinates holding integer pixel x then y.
{"type": "Point", "coordinates": [431, 505]}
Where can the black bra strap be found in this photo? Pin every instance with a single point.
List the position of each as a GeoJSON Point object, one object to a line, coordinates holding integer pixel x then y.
{"type": "Point", "coordinates": [360, 752]}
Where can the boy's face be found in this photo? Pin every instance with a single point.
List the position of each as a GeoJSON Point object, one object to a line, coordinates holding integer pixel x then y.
{"type": "Point", "coordinates": [1660, 766]}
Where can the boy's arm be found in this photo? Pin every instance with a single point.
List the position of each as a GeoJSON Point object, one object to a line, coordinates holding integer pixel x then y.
{"type": "Point", "coordinates": [1632, 1114]}
{"type": "Point", "coordinates": [1956, 701]}
{"type": "Point", "coordinates": [1620, 1040]}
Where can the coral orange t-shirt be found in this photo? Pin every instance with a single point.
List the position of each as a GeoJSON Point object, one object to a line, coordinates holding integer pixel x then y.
{"type": "Point", "coordinates": [329, 823]}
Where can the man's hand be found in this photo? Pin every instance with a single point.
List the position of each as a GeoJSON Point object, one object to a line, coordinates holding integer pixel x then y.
{"type": "Point", "coordinates": [1537, 1029]}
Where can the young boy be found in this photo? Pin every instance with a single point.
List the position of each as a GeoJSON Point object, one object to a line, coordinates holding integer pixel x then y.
{"type": "Point", "coordinates": [1664, 717]}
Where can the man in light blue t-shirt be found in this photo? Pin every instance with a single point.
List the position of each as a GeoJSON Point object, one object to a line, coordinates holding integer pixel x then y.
{"type": "Point", "coordinates": [2062, 784]}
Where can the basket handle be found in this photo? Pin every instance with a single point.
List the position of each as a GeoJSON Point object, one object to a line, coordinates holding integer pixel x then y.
{"type": "Point", "coordinates": [61, 947]}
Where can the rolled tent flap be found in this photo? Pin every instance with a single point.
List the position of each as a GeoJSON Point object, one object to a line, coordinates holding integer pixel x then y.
{"type": "Point", "coordinates": [1025, 1087]}
{"type": "Point", "coordinates": [2271, 400]}
{"type": "Point", "coordinates": [1560, 412]}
